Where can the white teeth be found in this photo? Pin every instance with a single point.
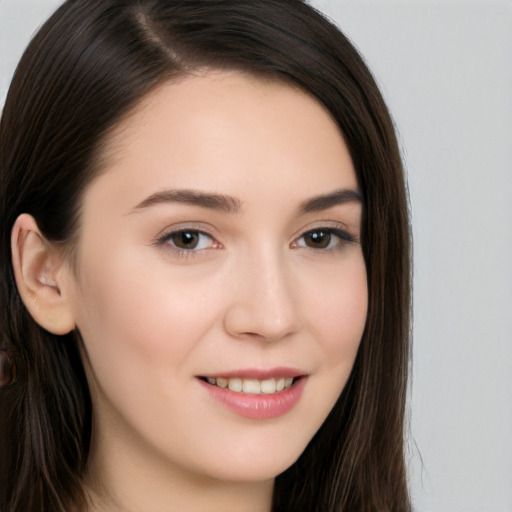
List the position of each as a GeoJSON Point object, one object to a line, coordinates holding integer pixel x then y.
{"type": "Point", "coordinates": [268, 386]}
{"type": "Point", "coordinates": [235, 384]}
{"type": "Point", "coordinates": [252, 386]}
{"type": "Point", "coordinates": [222, 383]}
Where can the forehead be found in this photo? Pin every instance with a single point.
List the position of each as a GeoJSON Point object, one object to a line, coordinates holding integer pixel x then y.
{"type": "Point", "coordinates": [217, 129]}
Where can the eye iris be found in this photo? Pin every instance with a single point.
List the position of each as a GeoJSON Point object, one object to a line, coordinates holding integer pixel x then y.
{"type": "Point", "coordinates": [186, 239]}
{"type": "Point", "coordinates": [318, 239]}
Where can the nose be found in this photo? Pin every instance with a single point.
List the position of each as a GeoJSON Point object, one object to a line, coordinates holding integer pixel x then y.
{"type": "Point", "coordinates": [264, 303]}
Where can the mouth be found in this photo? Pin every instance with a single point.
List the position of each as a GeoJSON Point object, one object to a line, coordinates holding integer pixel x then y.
{"type": "Point", "coordinates": [256, 393]}
{"type": "Point", "coordinates": [253, 386]}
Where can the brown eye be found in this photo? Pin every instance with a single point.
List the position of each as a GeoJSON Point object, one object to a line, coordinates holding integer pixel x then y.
{"type": "Point", "coordinates": [318, 239]}
{"type": "Point", "coordinates": [324, 239]}
{"type": "Point", "coordinates": [185, 239]}
{"type": "Point", "coordinates": [188, 241]}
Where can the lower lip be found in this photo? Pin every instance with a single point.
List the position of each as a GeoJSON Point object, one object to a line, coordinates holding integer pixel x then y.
{"type": "Point", "coordinates": [258, 406]}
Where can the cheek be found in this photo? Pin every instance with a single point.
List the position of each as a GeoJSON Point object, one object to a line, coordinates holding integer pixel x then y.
{"type": "Point", "coordinates": [336, 318]}
{"type": "Point", "coordinates": [337, 311]}
{"type": "Point", "coordinates": [139, 322]}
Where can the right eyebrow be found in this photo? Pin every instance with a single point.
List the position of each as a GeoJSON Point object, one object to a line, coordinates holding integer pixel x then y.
{"type": "Point", "coordinates": [326, 201]}
{"type": "Point", "coordinates": [220, 202]}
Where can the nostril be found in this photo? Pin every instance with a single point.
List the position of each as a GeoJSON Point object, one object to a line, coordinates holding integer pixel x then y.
{"type": "Point", "coordinates": [263, 319]}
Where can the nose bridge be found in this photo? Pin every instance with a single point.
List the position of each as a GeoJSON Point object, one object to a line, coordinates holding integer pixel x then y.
{"type": "Point", "coordinates": [264, 303]}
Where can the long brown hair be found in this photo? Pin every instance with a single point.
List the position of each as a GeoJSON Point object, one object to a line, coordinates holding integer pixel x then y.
{"type": "Point", "coordinates": [89, 66]}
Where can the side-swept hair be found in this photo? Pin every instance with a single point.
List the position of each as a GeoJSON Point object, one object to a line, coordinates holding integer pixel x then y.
{"type": "Point", "coordinates": [87, 68]}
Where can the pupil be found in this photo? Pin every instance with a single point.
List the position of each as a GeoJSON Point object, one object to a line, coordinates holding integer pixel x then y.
{"type": "Point", "coordinates": [319, 239]}
{"type": "Point", "coordinates": [186, 239]}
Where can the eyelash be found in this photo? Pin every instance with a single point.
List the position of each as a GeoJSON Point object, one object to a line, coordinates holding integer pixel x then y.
{"type": "Point", "coordinates": [166, 240]}
{"type": "Point", "coordinates": [341, 239]}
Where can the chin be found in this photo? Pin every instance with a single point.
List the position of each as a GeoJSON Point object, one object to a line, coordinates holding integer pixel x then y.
{"type": "Point", "coordinates": [255, 469]}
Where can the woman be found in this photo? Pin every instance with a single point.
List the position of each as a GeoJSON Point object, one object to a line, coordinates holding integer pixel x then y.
{"type": "Point", "coordinates": [205, 265]}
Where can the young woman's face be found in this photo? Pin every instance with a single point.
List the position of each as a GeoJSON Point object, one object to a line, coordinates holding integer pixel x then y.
{"type": "Point", "coordinates": [218, 261]}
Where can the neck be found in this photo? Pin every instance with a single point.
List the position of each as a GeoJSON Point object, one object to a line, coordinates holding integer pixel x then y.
{"type": "Point", "coordinates": [123, 481]}
{"type": "Point", "coordinates": [212, 498]}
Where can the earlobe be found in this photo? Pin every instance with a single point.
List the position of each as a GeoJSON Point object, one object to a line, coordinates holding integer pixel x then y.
{"type": "Point", "coordinates": [41, 276]}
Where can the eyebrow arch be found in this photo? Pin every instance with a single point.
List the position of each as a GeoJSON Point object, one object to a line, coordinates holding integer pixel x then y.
{"type": "Point", "coordinates": [327, 201]}
{"type": "Point", "coordinates": [209, 200]}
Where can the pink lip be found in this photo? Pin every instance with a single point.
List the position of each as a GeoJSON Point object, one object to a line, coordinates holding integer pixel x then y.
{"type": "Point", "coordinates": [258, 406]}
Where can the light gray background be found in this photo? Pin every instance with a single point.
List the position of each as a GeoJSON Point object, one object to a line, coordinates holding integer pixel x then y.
{"type": "Point", "coordinates": [445, 68]}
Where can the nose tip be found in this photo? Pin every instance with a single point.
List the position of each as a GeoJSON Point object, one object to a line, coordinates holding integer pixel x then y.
{"type": "Point", "coordinates": [246, 321]}
{"type": "Point", "coordinates": [264, 306]}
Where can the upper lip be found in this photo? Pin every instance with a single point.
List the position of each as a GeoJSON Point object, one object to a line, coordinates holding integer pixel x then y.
{"type": "Point", "coordinates": [258, 373]}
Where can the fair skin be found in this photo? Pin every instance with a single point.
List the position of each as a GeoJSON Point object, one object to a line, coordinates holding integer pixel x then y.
{"type": "Point", "coordinates": [221, 241]}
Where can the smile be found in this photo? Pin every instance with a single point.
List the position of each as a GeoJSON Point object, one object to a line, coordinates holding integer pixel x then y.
{"type": "Point", "coordinates": [263, 398]}
{"type": "Point", "coordinates": [252, 386]}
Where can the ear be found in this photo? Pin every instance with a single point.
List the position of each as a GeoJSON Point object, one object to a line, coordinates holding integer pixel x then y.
{"type": "Point", "coordinates": [42, 276]}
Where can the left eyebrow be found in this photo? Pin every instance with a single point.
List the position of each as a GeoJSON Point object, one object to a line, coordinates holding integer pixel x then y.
{"type": "Point", "coordinates": [207, 200]}
{"type": "Point", "coordinates": [326, 201]}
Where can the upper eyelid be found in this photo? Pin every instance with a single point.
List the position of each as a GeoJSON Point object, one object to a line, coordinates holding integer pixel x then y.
{"type": "Point", "coordinates": [328, 225]}
{"type": "Point", "coordinates": [198, 226]}
{"type": "Point", "coordinates": [348, 239]}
